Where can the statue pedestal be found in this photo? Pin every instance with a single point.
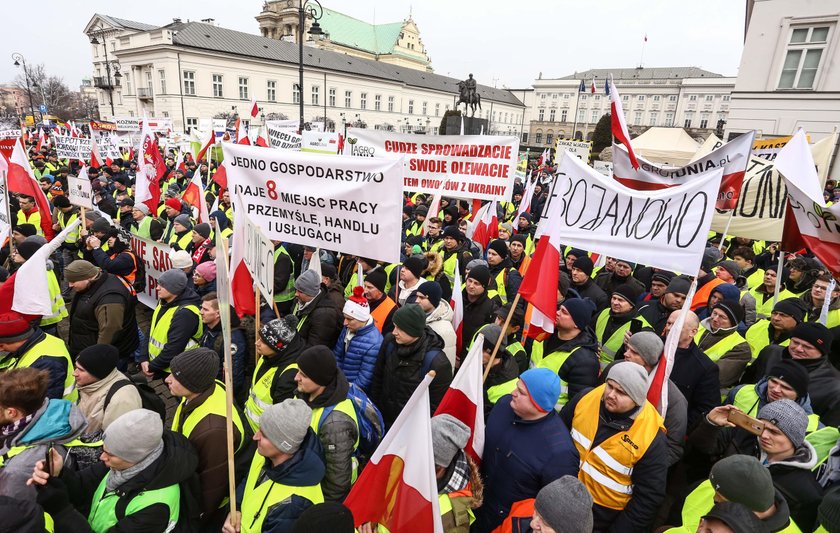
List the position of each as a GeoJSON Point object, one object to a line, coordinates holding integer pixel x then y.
{"type": "Point", "coordinates": [472, 126]}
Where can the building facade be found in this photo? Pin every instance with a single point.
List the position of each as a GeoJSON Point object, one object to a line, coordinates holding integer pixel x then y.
{"type": "Point", "coordinates": [187, 71]}
{"type": "Point", "coordinates": [685, 97]}
{"type": "Point", "coordinates": [786, 80]}
{"type": "Point", "coordinates": [396, 43]}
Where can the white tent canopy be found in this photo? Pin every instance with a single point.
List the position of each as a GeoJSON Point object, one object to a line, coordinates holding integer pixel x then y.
{"type": "Point", "coordinates": [672, 146]}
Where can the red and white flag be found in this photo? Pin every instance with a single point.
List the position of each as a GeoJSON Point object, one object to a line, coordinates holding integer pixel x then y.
{"type": "Point", "coordinates": [242, 133]}
{"type": "Point", "coordinates": [150, 168]}
{"type": "Point", "coordinates": [95, 156]}
{"type": "Point", "coordinates": [220, 176]}
{"type": "Point", "coordinates": [42, 138]}
{"type": "Point", "coordinates": [179, 162]}
{"type": "Point", "coordinates": [241, 282]}
{"type": "Point", "coordinates": [255, 110]}
{"type": "Point", "coordinates": [592, 89]}
{"type": "Point", "coordinates": [260, 140]}
{"type": "Point", "coordinates": [457, 304]}
{"type": "Point", "coordinates": [817, 224]}
{"type": "Point", "coordinates": [398, 488]}
{"type": "Point", "coordinates": [619, 124]}
{"type": "Point", "coordinates": [21, 180]}
{"type": "Point", "coordinates": [658, 379]}
{"type": "Point", "coordinates": [525, 203]}
{"type": "Point", "coordinates": [465, 398]}
{"type": "Point", "coordinates": [194, 195]}
{"type": "Point", "coordinates": [206, 146]}
{"type": "Point", "coordinates": [486, 224]}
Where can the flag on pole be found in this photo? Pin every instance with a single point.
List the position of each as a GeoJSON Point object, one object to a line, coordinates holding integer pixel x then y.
{"type": "Point", "coordinates": [242, 133]}
{"type": "Point", "coordinates": [398, 488]}
{"type": "Point", "coordinates": [593, 89]}
{"type": "Point", "coordinates": [260, 140]}
{"type": "Point", "coordinates": [525, 203]}
{"type": "Point", "coordinates": [194, 195]}
{"type": "Point", "coordinates": [41, 140]}
{"type": "Point", "coordinates": [207, 145]}
{"type": "Point", "coordinates": [486, 224]}
{"type": "Point", "coordinates": [619, 124]}
{"type": "Point", "coordinates": [21, 180]}
{"type": "Point", "coordinates": [465, 398]}
{"type": "Point", "coordinates": [255, 110]}
{"type": "Point", "coordinates": [241, 282]}
{"type": "Point", "coordinates": [658, 379]}
{"type": "Point", "coordinates": [582, 87]}
{"type": "Point", "coordinates": [457, 303]}
{"type": "Point", "coordinates": [220, 177]}
{"type": "Point", "coordinates": [150, 168]}
{"type": "Point", "coordinates": [315, 262]}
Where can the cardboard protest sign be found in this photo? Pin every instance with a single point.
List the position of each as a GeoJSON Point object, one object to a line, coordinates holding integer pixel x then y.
{"type": "Point", "coordinates": [319, 143]}
{"type": "Point", "coordinates": [478, 166]}
{"type": "Point", "coordinates": [283, 138]}
{"type": "Point", "coordinates": [579, 149]}
{"type": "Point", "coordinates": [733, 157]}
{"type": "Point", "coordinates": [155, 256]}
{"type": "Point", "coordinates": [665, 228]}
{"type": "Point", "coordinates": [67, 147]}
{"type": "Point", "coordinates": [259, 258]}
{"type": "Point", "coordinates": [130, 124]}
{"type": "Point", "coordinates": [337, 203]}
{"type": "Point", "coordinates": [79, 191]}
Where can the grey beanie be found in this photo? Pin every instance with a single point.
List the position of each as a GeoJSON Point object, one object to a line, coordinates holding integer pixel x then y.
{"type": "Point", "coordinates": [789, 417]}
{"type": "Point", "coordinates": [648, 344]}
{"type": "Point", "coordinates": [309, 283]}
{"type": "Point", "coordinates": [134, 435]}
{"type": "Point", "coordinates": [184, 220]}
{"type": "Point", "coordinates": [285, 424]}
{"type": "Point", "coordinates": [476, 263]}
{"type": "Point", "coordinates": [196, 369]}
{"type": "Point", "coordinates": [565, 505]}
{"type": "Point", "coordinates": [173, 280]}
{"type": "Point", "coordinates": [449, 436]}
{"type": "Point", "coordinates": [632, 378]}
{"type": "Point", "coordinates": [491, 334]}
{"type": "Point", "coordinates": [143, 208]}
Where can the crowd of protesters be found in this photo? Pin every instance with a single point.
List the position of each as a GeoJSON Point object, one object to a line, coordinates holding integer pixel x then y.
{"type": "Point", "coordinates": [113, 415]}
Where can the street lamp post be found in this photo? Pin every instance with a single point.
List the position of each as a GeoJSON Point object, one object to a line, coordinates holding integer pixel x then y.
{"type": "Point", "coordinates": [108, 66]}
{"type": "Point", "coordinates": [19, 60]}
{"type": "Point", "coordinates": [311, 8]}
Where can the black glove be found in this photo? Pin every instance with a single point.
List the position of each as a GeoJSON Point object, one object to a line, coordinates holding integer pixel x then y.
{"type": "Point", "coordinates": [53, 496]}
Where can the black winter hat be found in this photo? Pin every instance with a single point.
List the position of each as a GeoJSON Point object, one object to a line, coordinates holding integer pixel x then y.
{"type": "Point", "coordinates": [581, 310]}
{"type": "Point", "coordinates": [628, 292]}
{"type": "Point", "coordinates": [27, 230]}
{"type": "Point", "coordinates": [99, 360]}
{"type": "Point", "coordinates": [814, 333]}
{"type": "Point", "coordinates": [520, 238]}
{"type": "Point", "coordinates": [318, 363]}
{"type": "Point", "coordinates": [455, 233]}
{"type": "Point", "coordinates": [415, 265]}
{"type": "Point", "coordinates": [328, 516]}
{"type": "Point", "coordinates": [585, 264]}
{"type": "Point", "coordinates": [100, 225]}
{"type": "Point", "coordinates": [421, 210]}
{"type": "Point", "coordinates": [61, 201]}
{"type": "Point", "coordinates": [793, 374]}
{"type": "Point", "coordinates": [481, 274]}
{"type": "Point", "coordinates": [663, 276]}
{"type": "Point", "coordinates": [499, 246]}
{"type": "Point", "coordinates": [203, 229]}
{"type": "Point", "coordinates": [279, 332]}
{"type": "Point", "coordinates": [412, 319]}
{"type": "Point", "coordinates": [678, 285]}
{"type": "Point", "coordinates": [377, 278]}
{"type": "Point", "coordinates": [27, 248]}
{"type": "Point", "coordinates": [733, 310]}
{"type": "Point", "coordinates": [793, 307]}
{"type": "Point", "coordinates": [196, 369]}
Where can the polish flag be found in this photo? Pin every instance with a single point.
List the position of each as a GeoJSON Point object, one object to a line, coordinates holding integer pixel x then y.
{"type": "Point", "coordinates": [398, 488]}
{"type": "Point", "coordinates": [241, 133]}
{"type": "Point", "coordinates": [544, 157]}
{"type": "Point", "coordinates": [206, 146]}
{"type": "Point", "coordinates": [32, 276]}
{"type": "Point", "coordinates": [194, 195]}
{"type": "Point", "coordinates": [260, 140]}
{"type": "Point", "coordinates": [465, 398]}
{"type": "Point", "coordinates": [592, 89]}
{"type": "Point", "coordinates": [486, 224]}
{"type": "Point", "coordinates": [658, 379]}
{"type": "Point", "coordinates": [150, 168]}
{"type": "Point", "coordinates": [619, 124]}
{"type": "Point", "coordinates": [220, 177]}
{"type": "Point", "coordinates": [255, 110]}
{"type": "Point", "coordinates": [241, 282]}
{"type": "Point", "coordinates": [179, 162]}
{"type": "Point", "coordinates": [525, 203]}
{"type": "Point", "coordinates": [21, 180]}
{"type": "Point", "coordinates": [41, 140]}
{"type": "Point", "coordinates": [95, 156]}
{"type": "Point", "coordinates": [816, 223]}
{"type": "Point", "coordinates": [457, 304]}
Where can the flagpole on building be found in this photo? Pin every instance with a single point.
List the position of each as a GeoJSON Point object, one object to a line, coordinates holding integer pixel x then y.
{"type": "Point", "coordinates": [642, 58]}
{"type": "Point", "coordinates": [577, 105]}
{"type": "Point", "coordinates": [501, 336]}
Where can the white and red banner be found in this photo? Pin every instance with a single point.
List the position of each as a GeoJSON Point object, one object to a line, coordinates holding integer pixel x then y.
{"type": "Point", "coordinates": [283, 138]}
{"type": "Point", "coordinates": [156, 257]}
{"type": "Point", "coordinates": [398, 488]}
{"type": "Point", "coordinates": [732, 157]}
{"type": "Point", "coordinates": [664, 228]}
{"type": "Point", "coordinates": [819, 226]}
{"type": "Point", "coordinates": [479, 167]}
{"type": "Point", "coordinates": [319, 142]}
{"type": "Point", "coordinates": [323, 201]}
{"type": "Point", "coordinates": [465, 398]}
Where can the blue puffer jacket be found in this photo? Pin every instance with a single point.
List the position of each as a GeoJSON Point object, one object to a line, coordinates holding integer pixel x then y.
{"type": "Point", "coordinates": [359, 359]}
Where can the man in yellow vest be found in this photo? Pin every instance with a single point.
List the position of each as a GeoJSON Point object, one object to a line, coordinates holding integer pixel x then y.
{"type": "Point", "coordinates": [285, 475]}
{"type": "Point", "coordinates": [145, 225]}
{"type": "Point", "coordinates": [284, 279]}
{"type": "Point", "coordinates": [29, 213]}
{"type": "Point", "coordinates": [31, 347]}
{"type": "Point", "coordinates": [786, 315]}
{"type": "Point", "coordinates": [623, 450]}
{"type": "Point", "coordinates": [621, 317]}
{"type": "Point", "coordinates": [322, 385]}
{"type": "Point", "coordinates": [718, 338]}
{"type": "Point", "coordinates": [201, 418]}
{"type": "Point", "coordinates": [815, 299]}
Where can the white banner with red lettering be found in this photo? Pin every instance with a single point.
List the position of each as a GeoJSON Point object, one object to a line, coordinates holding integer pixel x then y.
{"type": "Point", "coordinates": [155, 256]}
{"type": "Point", "coordinates": [663, 228]}
{"type": "Point", "coordinates": [478, 166]}
{"type": "Point", "coordinates": [732, 157]}
{"type": "Point", "coordinates": [324, 201]}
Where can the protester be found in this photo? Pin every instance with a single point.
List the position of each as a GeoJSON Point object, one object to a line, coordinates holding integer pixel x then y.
{"type": "Point", "coordinates": [382, 307]}
{"type": "Point", "coordinates": [657, 313]}
{"type": "Point", "coordinates": [478, 306]}
{"type": "Point", "coordinates": [459, 484]}
{"type": "Point", "coordinates": [581, 276]}
{"type": "Point", "coordinates": [319, 321]}
{"type": "Point", "coordinates": [357, 348]}
{"type": "Point", "coordinates": [105, 393]}
{"type": "Point", "coordinates": [718, 337]}
{"type": "Point", "coordinates": [613, 323]}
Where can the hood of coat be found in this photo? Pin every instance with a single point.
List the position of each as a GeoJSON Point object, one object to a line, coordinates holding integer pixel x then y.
{"type": "Point", "coordinates": [435, 264]}
{"type": "Point", "coordinates": [803, 458]}
{"type": "Point", "coordinates": [718, 333]}
{"type": "Point", "coordinates": [442, 312]}
{"type": "Point", "coordinates": [57, 420]}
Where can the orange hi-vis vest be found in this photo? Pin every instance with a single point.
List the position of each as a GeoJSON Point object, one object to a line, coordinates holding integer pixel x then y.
{"type": "Point", "coordinates": [520, 515]}
{"type": "Point", "coordinates": [701, 297]}
{"type": "Point", "coordinates": [380, 314]}
{"type": "Point", "coordinates": [606, 469]}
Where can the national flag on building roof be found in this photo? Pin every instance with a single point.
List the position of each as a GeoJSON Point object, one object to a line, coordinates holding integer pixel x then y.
{"type": "Point", "coordinates": [582, 87]}
{"type": "Point", "coordinates": [593, 86]}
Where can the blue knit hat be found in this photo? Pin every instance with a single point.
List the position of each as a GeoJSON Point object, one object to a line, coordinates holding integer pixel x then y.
{"type": "Point", "coordinates": [543, 386]}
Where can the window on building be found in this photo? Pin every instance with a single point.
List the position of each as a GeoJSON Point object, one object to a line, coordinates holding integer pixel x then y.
{"type": "Point", "coordinates": [363, 101]}
{"type": "Point", "coordinates": [377, 102]}
{"type": "Point", "coordinates": [583, 96]}
{"type": "Point", "coordinates": [149, 85]}
{"type": "Point", "coordinates": [595, 116]}
{"type": "Point", "coordinates": [243, 88]}
{"type": "Point", "coordinates": [625, 97]}
{"type": "Point", "coordinates": [563, 114]}
{"type": "Point", "coordinates": [192, 122]}
{"type": "Point", "coordinates": [166, 114]}
{"type": "Point", "coordinates": [688, 118]}
{"type": "Point", "coordinates": [725, 98]}
{"type": "Point", "coordinates": [641, 98]}
{"type": "Point", "coordinates": [802, 59]}
{"type": "Point", "coordinates": [637, 119]}
{"type": "Point", "coordinates": [271, 91]}
{"type": "Point", "coordinates": [549, 138]}
{"type": "Point", "coordinates": [551, 116]}
{"type": "Point", "coordinates": [692, 98]}
{"type": "Point", "coordinates": [704, 121]}
{"type": "Point", "coordinates": [217, 86]}
{"type": "Point", "coordinates": [331, 95]}
{"type": "Point", "coordinates": [656, 97]}
{"type": "Point", "coordinates": [653, 119]}
{"type": "Point", "coordinates": [348, 98]}
{"type": "Point", "coordinates": [391, 104]}
{"type": "Point", "coordinates": [538, 137]}
{"type": "Point", "coordinates": [295, 93]}
{"type": "Point", "coordinates": [315, 97]}
{"type": "Point", "coordinates": [566, 96]}
{"type": "Point", "coordinates": [437, 110]}
{"type": "Point", "coordinates": [541, 115]}
{"type": "Point", "coordinates": [189, 83]}
{"type": "Point", "coordinates": [542, 96]}
{"type": "Point", "coordinates": [582, 116]}
{"type": "Point", "coordinates": [162, 78]}
{"type": "Point", "coordinates": [126, 80]}
{"type": "Point", "coordinates": [597, 97]}
{"type": "Point", "coordinates": [554, 96]}
{"type": "Point", "coordinates": [669, 119]}
{"type": "Point", "coordinates": [672, 98]}
{"type": "Point", "coordinates": [425, 108]}
{"type": "Point", "coordinates": [710, 98]}
{"type": "Point", "coordinates": [524, 137]}
{"type": "Point", "coordinates": [411, 107]}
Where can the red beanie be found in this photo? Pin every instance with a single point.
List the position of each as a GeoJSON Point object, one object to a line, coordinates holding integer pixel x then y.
{"type": "Point", "coordinates": [174, 203]}
{"type": "Point", "coordinates": [13, 327]}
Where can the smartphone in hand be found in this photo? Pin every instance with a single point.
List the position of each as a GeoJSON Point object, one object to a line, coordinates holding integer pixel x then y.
{"type": "Point", "coordinates": [746, 422]}
{"type": "Point", "coordinates": [48, 459]}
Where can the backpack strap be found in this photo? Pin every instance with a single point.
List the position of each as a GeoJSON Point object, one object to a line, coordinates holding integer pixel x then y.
{"type": "Point", "coordinates": [427, 361]}
{"type": "Point", "coordinates": [114, 388]}
{"type": "Point", "coordinates": [324, 414]}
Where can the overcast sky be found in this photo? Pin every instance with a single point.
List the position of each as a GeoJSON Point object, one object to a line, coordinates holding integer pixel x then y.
{"type": "Point", "coordinates": [506, 43]}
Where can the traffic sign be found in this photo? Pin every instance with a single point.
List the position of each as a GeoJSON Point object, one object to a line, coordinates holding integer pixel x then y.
{"type": "Point", "coordinates": [42, 108]}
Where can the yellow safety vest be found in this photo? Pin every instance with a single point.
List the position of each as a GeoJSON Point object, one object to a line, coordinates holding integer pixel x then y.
{"type": "Point", "coordinates": [215, 404]}
{"type": "Point", "coordinates": [746, 399]}
{"type": "Point", "coordinates": [59, 309]}
{"type": "Point", "coordinates": [261, 494]}
{"type": "Point", "coordinates": [50, 347]}
{"type": "Point", "coordinates": [63, 222]}
{"type": "Point", "coordinates": [259, 397]}
{"type": "Point", "coordinates": [345, 406]}
{"type": "Point", "coordinates": [182, 241]}
{"type": "Point", "coordinates": [823, 440]}
{"type": "Point", "coordinates": [607, 468]}
{"type": "Point", "coordinates": [553, 362]}
{"type": "Point", "coordinates": [758, 338]}
{"type": "Point", "coordinates": [499, 290]}
{"type": "Point", "coordinates": [611, 346]}
{"type": "Point", "coordinates": [764, 308]}
{"type": "Point", "coordinates": [143, 229]}
{"type": "Point", "coordinates": [288, 293]}
{"type": "Point", "coordinates": [497, 391]}
{"type": "Point", "coordinates": [159, 334]}
{"type": "Point", "coordinates": [721, 347]}
{"type": "Point", "coordinates": [449, 265]}
{"type": "Point", "coordinates": [755, 279]}
{"type": "Point", "coordinates": [103, 514]}
{"type": "Point", "coordinates": [34, 219]}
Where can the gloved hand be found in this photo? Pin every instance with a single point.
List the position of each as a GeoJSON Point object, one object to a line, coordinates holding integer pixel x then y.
{"type": "Point", "coordinates": [53, 496]}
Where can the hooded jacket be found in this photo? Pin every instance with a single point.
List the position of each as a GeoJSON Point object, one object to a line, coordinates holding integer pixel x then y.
{"type": "Point", "coordinates": [338, 433]}
{"type": "Point", "coordinates": [177, 464]}
{"type": "Point", "coordinates": [731, 364]}
{"type": "Point", "coordinates": [184, 326]}
{"type": "Point", "coordinates": [440, 320]}
{"type": "Point", "coordinates": [697, 378]}
{"type": "Point", "coordinates": [57, 421]}
{"type": "Point", "coordinates": [476, 315]}
{"type": "Point", "coordinates": [92, 401]}
{"type": "Point", "coordinates": [794, 478]}
{"type": "Point", "coordinates": [357, 358]}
